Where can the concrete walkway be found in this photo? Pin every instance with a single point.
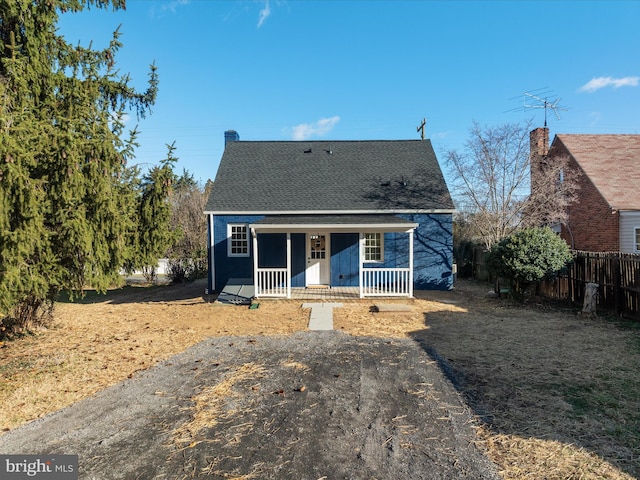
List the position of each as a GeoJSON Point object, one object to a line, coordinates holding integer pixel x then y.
{"type": "Point", "coordinates": [321, 315]}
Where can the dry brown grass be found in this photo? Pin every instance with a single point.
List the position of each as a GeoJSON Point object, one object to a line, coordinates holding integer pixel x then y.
{"type": "Point", "coordinates": [527, 457]}
{"type": "Point", "coordinates": [359, 318]}
{"type": "Point", "coordinates": [209, 405]}
{"type": "Point", "coordinates": [104, 340]}
{"type": "Point", "coordinates": [557, 396]}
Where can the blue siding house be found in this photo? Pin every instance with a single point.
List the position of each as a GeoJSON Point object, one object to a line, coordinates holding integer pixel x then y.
{"type": "Point", "coordinates": [376, 215]}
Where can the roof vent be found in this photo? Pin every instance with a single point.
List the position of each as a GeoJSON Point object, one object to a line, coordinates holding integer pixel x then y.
{"type": "Point", "coordinates": [307, 150]}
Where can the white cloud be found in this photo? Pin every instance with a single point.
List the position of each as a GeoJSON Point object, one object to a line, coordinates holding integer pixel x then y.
{"type": "Point", "coordinates": [173, 5]}
{"type": "Point", "coordinates": [594, 118]}
{"type": "Point", "coordinates": [597, 83]}
{"type": "Point", "coordinates": [170, 7]}
{"type": "Point", "coordinates": [320, 128]}
{"type": "Point", "coordinates": [122, 117]}
{"type": "Point", "coordinates": [264, 13]}
{"type": "Point", "coordinates": [440, 135]}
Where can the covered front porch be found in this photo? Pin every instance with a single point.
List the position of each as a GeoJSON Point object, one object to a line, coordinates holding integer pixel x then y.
{"type": "Point", "coordinates": [332, 255]}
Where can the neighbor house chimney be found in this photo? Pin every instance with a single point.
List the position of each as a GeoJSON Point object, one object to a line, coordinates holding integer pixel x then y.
{"type": "Point", "coordinates": [538, 150]}
{"type": "Point", "coordinates": [539, 142]}
{"type": "Point", "coordinates": [231, 136]}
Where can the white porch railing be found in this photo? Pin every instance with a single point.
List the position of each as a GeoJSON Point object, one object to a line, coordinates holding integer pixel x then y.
{"type": "Point", "coordinates": [386, 282]}
{"type": "Point", "coordinates": [272, 282]}
{"type": "Point", "coordinates": [376, 282]}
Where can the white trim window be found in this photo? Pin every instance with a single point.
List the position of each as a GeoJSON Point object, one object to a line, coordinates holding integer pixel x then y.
{"type": "Point", "coordinates": [237, 240]}
{"type": "Point", "coordinates": [637, 239]}
{"type": "Point", "coordinates": [374, 247]}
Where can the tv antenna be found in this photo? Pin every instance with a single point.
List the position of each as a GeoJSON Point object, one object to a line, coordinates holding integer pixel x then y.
{"type": "Point", "coordinates": [542, 98]}
{"type": "Point", "coordinates": [421, 128]}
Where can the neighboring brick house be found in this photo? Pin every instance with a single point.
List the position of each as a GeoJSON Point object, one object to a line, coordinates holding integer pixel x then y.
{"type": "Point", "coordinates": [306, 214]}
{"type": "Point", "coordinates": [606, 214]}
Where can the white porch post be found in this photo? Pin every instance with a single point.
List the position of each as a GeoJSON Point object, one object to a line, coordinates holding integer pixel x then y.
{"type": "Point", "coordinates": [411, 263]}
{"type": "Point", "coordinates": [256, 279]}
{"type": "Point", "coordinates": [288, 264]}
{"type": "Point", "coordinates": [360, 264]}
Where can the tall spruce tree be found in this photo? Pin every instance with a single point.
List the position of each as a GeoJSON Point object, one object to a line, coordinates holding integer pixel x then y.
{"type": "Point", "coordinates": [155, 236]}
{"type": "Point", "coordinates": [62, 157]}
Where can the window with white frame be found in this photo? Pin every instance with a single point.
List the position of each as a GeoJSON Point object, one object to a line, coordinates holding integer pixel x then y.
{"type": "Point", "coordinates": [238, 240]}
{"type": "Point", "coordinates": [373, 247]}
{"type": "Point", "coordinates": [638, 239]}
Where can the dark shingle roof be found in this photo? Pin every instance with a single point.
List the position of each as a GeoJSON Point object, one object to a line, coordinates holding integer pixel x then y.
{"type": "Point", "coordinates": [329, 176]}
{"type": "Point", "coordinates": [612, 163]}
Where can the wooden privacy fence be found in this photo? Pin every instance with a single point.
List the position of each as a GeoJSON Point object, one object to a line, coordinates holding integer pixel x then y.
{"type": "Point", "coordinates": [617, 275]}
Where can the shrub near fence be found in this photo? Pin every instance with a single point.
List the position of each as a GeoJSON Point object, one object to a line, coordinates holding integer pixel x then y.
{"type": "Point", "coordinates": [618, 277]}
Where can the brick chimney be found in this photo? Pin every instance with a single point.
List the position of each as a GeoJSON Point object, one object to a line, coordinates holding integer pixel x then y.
{"type": "Point", "coordinates": [539, 142]}
{"type": "Point", "coordinates": [231, 136]}
{"type": "Point", "coordinates": [538, 150]}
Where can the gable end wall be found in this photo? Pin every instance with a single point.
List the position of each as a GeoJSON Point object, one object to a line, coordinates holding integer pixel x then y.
{"type": "Point", "coordinates": [592, 226]}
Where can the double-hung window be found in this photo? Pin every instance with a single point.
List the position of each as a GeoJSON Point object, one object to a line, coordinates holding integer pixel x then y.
{"type": "Point", "coordinates": [373, 247]}
{"type": "Point", "coordinates": [237, 240]}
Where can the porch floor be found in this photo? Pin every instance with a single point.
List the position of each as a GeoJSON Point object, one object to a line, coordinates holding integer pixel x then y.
{"type": "Point", "coordinates": [326, 294]}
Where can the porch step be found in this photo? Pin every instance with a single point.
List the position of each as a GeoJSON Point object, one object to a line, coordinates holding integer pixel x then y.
{"type": "Point", "coordinates": [321, 317]}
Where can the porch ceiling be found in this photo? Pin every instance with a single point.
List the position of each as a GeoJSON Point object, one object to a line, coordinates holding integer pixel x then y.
{"type": "Point", "coordinates": [334, 223]}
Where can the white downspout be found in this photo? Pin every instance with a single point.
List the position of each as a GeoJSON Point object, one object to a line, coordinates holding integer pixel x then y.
{"type": "Point", "coordinates": [360, 264]}
{"type": "Point", "coordinates": [288, 264]}
{"type": "Point", "coordinates": [212, 262]}
{"type": "Point", "coordinates": [411, 263]}
{"type": "Point", "coordinates": [256, 283]}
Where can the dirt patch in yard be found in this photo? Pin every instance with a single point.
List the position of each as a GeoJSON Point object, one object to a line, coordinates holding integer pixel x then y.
{"type": "Point", "coordinates": [308, 405]}
{"type": "Point", "coordinates": [554, 395]}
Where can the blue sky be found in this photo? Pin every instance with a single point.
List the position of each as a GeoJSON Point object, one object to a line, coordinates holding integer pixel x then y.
{"type": "Point", "coordinates": [361, 70]}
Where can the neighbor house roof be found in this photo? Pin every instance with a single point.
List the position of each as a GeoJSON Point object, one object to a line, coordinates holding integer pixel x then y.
{"type": "Point", "coordinates": [612, 163]}
{"type": "Point", "coordinates": [321, 177]}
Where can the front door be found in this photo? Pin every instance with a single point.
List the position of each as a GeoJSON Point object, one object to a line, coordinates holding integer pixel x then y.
{"type": "Point", "coordinates": [317, 272]}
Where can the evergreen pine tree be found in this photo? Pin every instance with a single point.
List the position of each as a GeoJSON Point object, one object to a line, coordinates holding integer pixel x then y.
{"type": "Point", "coordinates": [155, 237]}
{"type": "Point", "coordinates": [62, 159]}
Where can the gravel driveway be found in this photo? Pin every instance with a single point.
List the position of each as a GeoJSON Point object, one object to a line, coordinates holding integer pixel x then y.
{"type": "Point", "coordinates": [313, 405]}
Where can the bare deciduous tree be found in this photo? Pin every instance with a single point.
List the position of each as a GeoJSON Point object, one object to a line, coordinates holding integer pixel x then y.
{"type": "Point", "coordinates": [493, 187]}
{"type": "Point", "coordinates": [187, 259]}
